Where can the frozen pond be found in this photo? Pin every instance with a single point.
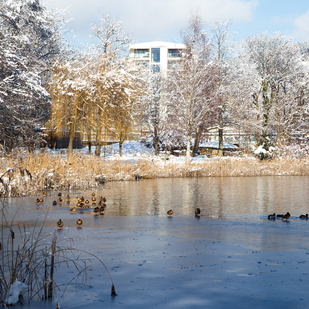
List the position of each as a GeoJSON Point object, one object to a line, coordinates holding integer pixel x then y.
{"type": "Point", "coordinates": [230, 257]}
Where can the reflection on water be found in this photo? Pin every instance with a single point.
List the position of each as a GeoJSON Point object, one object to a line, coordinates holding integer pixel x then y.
{"type": "Point", "coordinates": [218, 197]}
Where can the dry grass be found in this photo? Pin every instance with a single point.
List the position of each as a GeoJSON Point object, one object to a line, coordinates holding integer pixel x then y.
{"type": "Point", "coordinates": [29, 256]}
{"type": "Point", "coordinates": [54, 172]}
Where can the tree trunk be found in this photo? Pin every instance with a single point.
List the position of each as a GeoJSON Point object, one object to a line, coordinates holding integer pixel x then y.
{"type": "Point", "coordinates": [71, 140]}
{"type": "Point", "coordinates": [120, 149]}
{"type": "Point", "coordinates": [198, 136]}
{"type": "Point", "coordinates": [156, 140]}
{"type": "Point", "coordinates": [220, 150]}
{"type": "Point", "coordinates": [98, 137]}
{"type": "Point", "coordinates": [89, 143]}
{"type": "Point", "coordinates": [188, 150]}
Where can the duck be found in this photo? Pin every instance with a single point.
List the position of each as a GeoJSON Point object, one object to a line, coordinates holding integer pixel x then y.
{"type": "Point", "coordinates": [87, 202]}
{"type": "Point", "coordinates": [303, 216]}
{"type": "Point", "coordinates": [96, 210]}
{"type": "Point", "coordinates": [93, 194]}
{"type": "Point", "coordinates": [44, 193]}
{"type": "Point", "coordinates": [79, 222]}
{"type": "Point", "coordinates": [94, 204]}
{"type": "Point", "coordinates": [103, 199]}
{"type": "Point", "coordinates": [271, 216]}
{"type": "Point", "coordinates": [59, 194]}
{"type": "Point", "coordinates": [170, 212]}
{"type": "Point", "coordinates": [280, 216]}
{"type": "Point", "coordinates": [60, 224]}
{"type": "Point", "coordinates": [286, 216]}
{"type": "Point", "coordinates": [93, 199]}
{"type": "Point", "coordinates": [54, 203]}
{"type": "Point", "coordinates": [197, 212]}
{"type": "Point", "coordinates": [37, 201]}
{"type": "Point", "coordinates": [82, 199]}
{"type": "Point", "coordinates": [41, 200]}
{"type": "Point", "coordinates": [73, 209]}
{"type": "Point", "coordinates": [68, 199]}
{"type": "Point", "coordinates": [81, 206]}
{"type": "Point", "coordinates": [60, 200]}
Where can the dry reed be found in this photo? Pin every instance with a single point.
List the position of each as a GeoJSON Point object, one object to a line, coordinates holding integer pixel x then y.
{"type": "Point", "coordinates": [29, 259]}
{"type": "Point", "coordinates": [55, 172]}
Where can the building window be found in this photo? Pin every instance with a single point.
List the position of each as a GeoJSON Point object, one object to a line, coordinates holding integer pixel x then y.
{"type": "Point", "coordinates": [174, 53]}
{"type": "Point", "coordinates": [141, 53]}
{"type": "Point", "coordinates": [155, 55]}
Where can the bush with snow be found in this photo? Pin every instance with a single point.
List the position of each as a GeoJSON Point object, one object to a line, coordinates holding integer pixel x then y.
{"type": "Point", "coordinates": [266, 150]}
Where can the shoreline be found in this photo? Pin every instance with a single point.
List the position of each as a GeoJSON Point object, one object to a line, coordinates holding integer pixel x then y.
{"type": "Point", "coordinates": [32, 174]}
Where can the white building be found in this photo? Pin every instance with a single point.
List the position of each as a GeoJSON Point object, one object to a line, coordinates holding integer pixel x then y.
{"type": "Point", "coordinates": [158, 56]}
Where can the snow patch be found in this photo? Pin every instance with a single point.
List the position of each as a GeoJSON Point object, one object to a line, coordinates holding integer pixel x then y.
{"type": "Point", "coordinates": [16, 289]}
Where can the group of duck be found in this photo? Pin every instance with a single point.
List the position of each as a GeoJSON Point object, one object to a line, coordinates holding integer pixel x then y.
{"type": "Point", "coordinates": [98, 208]}
{"type": "Point", "coordinates": [79, 223]}
{"type": "Point", "coordinates": [285, 216]}
{"type": "Point", "coordinates": [197, 212]}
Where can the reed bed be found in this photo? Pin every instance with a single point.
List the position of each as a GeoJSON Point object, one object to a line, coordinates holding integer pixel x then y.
{"type": "Point", "coordinates": [29, 257]}
{"type": "Point", "coordinates": [28, 174]}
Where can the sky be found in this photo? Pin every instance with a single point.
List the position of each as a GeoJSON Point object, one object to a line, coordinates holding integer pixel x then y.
{"type": "Point", "coordinates": [162, 20]}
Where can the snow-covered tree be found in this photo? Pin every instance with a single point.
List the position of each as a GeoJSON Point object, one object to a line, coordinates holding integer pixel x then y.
{"type": "Point", "coordinates": [191, 89]}
{"type": "Point", "coordinates": [154, 107]}
{"type": "Point", "coordinates": [123, 101]}
{"type": "Point", "coordinates": [30, 37]}
{"type": "Point", "coordinates": [113, 44]}
{"type": "Point", "coordinates": [282, 77]}
{"type": "Point", "coordinates": [221, 46]}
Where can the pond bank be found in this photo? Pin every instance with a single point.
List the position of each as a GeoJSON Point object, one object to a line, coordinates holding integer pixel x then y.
{"type": "Point", "coordinates": [32, 174]}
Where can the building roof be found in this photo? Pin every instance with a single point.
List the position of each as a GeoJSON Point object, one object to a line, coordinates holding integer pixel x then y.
{"type": "Point", "coordinates": [155, 44]}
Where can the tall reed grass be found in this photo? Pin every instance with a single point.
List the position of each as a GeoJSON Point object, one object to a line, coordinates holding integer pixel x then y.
{"type": "Point", "coordinates": [28, 174]}
{"type": "Point", "coordinates": [29, 257]}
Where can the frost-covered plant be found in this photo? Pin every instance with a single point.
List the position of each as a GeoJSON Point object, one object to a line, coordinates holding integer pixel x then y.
{"type": "Point", "coordinates": [266, 150]}
{"type": "Point", "coordinates": [170, 140]}
{"type": "Point", "coordinates": [30, 38]}
{"type": "Point", "coordinates": [293, 151]}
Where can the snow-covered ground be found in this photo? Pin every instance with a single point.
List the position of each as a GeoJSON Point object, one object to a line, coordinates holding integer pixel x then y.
{"type": "Point", "coordinates": [132, 150]}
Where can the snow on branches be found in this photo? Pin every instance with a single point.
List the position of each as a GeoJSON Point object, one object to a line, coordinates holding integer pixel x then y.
{"type": "Point", "coordinates": [29, 39]}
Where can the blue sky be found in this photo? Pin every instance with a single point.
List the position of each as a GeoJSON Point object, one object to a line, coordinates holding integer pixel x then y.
{"type": "Point", "coordinates": [162, 20]}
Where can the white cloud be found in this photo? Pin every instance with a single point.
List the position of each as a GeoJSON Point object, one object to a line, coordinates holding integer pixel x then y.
{"type": "Point", "coordinates": [301, 24]}
{"type": "Point", "coordinates": [152, 20]}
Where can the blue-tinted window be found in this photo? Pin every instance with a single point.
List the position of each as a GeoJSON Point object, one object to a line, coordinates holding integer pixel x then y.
{"type": "Point", "coordinates": [141, 53]}
{"type": "Point", "coordinates": [174, 53]}
{"type": "Point", "coordinates": [155, 55]}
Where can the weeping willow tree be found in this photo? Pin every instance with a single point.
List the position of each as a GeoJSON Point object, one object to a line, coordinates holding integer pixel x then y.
{"type": "Point", "coordinates": [124, 110]}
{"type": "Point", "coordinates": [95, 106]}
{"type": "Point", "coordinates": [67, 89]}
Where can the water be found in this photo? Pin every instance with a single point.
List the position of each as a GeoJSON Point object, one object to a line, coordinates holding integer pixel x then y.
{"type": "Point", "coordinates": [218, 197]}
{"type": "Point", "coordinates": [231, 257]}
